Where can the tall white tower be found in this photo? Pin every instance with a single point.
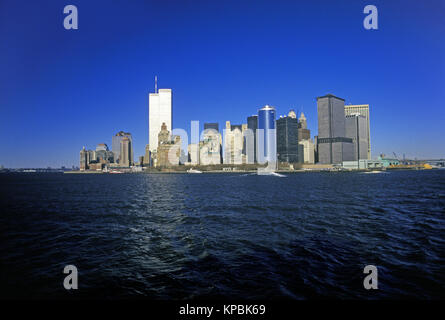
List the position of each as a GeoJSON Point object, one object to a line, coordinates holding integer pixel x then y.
{"type": "Point", "coordinates": [159, 111]}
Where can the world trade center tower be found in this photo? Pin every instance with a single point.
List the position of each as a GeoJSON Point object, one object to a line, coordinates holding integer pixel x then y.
{"type": "Point", "coordinates": [160, 111]}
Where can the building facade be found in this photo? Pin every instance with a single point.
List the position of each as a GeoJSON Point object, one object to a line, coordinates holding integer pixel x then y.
{"type": "Point", "coordinates": [266, 137]}
{"type": "Point", "coordinates": [308, 151]}
{"type": "Point", "coordinates": [83, 159]}
{"type": "Point", "coordinates": [116, 145]}
{"type": "Point", "coordinates": [211, 125]}
{"type": "Point", "coordinates": [193, 153]}
{"type": "Point", "coordinates": [125, 152]}
{"type": "Point", "coordinates": [160, 111]}
{"type": "Point", "coordinates": [362, 109]}
{"type": "Point", "coordinates": [251, 144]}
{"type": "Point", "coordinates": [333, 145]}
{"type": "Point", "coordinates": [210, 147]}
{"type": "Point", "coordinates": [169, 148]}
{"type": "Point", "coordinates": [287, 139]}
{"type": "Point", "coordinates": [303, 132]}
{"type": "Point", "coordinates": [356, 129]}
{"type": "Point", "coordinates": [233, 144]}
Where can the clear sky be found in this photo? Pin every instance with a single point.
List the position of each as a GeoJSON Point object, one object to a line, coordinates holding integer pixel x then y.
{"type": "Point", "coordinates": [64, 89]}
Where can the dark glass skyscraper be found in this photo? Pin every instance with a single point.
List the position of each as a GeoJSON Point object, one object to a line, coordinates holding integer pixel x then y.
{"type": "Point", "coordinates": [212, 125]}
{"type": "Point", "coordinates": [267, 143]}
{"type": "Point", "coordinates": [287, 140]}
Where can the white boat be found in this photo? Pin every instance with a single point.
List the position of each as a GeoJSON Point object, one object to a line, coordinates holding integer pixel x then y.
{"type": "Point", "coordinates": [191, 170]}
{"type": "Point", "coordinates": [266, 172]}
{"type": "Point", "coordinates": [115, 171]}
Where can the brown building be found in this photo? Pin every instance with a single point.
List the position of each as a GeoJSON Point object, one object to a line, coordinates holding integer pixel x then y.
{"type": "Point", "coordinates": [125, 154]}
{"type": "Point", "coordinates": [168, 150]}
{"type": "Point", "coordinates": [303, 132]}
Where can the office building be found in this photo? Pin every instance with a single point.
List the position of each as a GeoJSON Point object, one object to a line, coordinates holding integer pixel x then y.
{"type": "Point", "coordinates": [233, 144]}
{"type": "Point", "coordinates": [147, 156]}
{"type": "Point", "coordinates": [210, 147]}
{"type": "Point", "coordinates": [125, 152]}
{"type": "Point", "coordinates": [303, 132]}
{"type": "Point", "coordinates": [83, 159]}
{"type": "Point", "coordinates": [287, 139]}
{"type": "Point", "coordinates": [193, 153]}
{"type": "Point", "coordinates": [160, 111]}
{"type": "Point", "coordinates": [91, 156]}
{"type": "Point", "coordinates": [333, 145]}
{"type": "Point", "coordinates": [292, 114]}
{"type": "Point", "coordinates": [169, 148]}
{"type": "Point", "coordinates": [308, 151]}
{"type": "Point", "coordinates": [266, 143]}
{"type": "Point", "coordinates": [213, 125]}
{"type": "Point", "coordinates": [251, 139]}
{"type": "Point", "coordinates": [116, 145]}
{"type": "Point", "coordinates": [362, 109]}
{"type": "Point", "coordinates": [103, 155]}
{"type": "Point", "coordinates": [357, 130]}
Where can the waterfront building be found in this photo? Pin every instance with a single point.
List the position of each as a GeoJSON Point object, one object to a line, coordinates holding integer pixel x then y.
{"type": "Point", "coordinates": [193, 153]}
{"type": "Point", "coordinates": [362, 109]}
{"type": "Point", "coordinates": [147, 156]}
{"type": "Point", "coordinates": [103, 155]}
{"type": "Point", "coordinates": [251, 144]}
{"type": "Point", "coordinates": [91, 156]}
{"type": "Point", "coordinates": [388, 161]}
{"type": "Point", "coordinates": [356, 129]}
{"type": "Point", "coordinates": [363, 164]}
{"type": "Point", "coordinates": [266, 137]}
{"type": "Point", "coordinates": [83, 159]}
{"type": "Point", "coordinates": [287, 139]}
{"type": "Point", "coordinates": [308, 151]}
{"type": "Point", "coordinates": [160, 111]}
{"type": "Point", "coordinates": [303, 132]}
{"type": "Point", "coordinates": [102, 147]}
{"type": "Point", "coordinates": [333, 145]}
{"type": "Point", "coordinates": [116, 145]}
{"type": "Point", "coordinates": [233, 144]}
{"type": "Point", "coordinates": [210, 147]}
{"type": "Point", "coordinates": [125, 152]}
{"type": "Point", "coordinates": [169, 148]}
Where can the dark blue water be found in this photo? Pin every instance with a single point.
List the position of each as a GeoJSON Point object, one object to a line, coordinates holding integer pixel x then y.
{"type": "Point", "coordinates": [178, 236]}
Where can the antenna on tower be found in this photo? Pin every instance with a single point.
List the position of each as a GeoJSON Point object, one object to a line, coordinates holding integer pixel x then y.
{"type": "Point", "coordinates": [156, 84]}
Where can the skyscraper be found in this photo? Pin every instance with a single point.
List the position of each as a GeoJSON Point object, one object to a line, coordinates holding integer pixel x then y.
{"type": "Point", "coordinates": [125, 153]}
{"type": "Point", "coordinates": [116, 144]}
{"type": "Point", "coordinates": [251, 147]}
{"type": "Point", "coordinates": [333, 145]}
{"type": "Point", "coordinates": [266, 145]}
{"type": "Point", "coordinates": [303, 132]}
{"type": "Point", "coordinates": [83, 159]}
{"type": "Point", "coordinates": [233, 144]}
{"type": "Point", "coordinates": [357, 130]}
{"type": "Point", "coordinates": [287, 139]}
{"type": "Point", "coordinates": [210, 147]}
{"type": "Point", "coordinates": [160, 111]}
{"type": "Point", "coordinates": [362, 109]}
{"type": "Point", "coordinates": [169, 148]}
{"type": "Point", "coordinates": [213, 125]}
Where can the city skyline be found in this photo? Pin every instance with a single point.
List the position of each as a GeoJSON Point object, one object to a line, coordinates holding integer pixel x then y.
{"type": "Point", "coordinates": [79, 92]}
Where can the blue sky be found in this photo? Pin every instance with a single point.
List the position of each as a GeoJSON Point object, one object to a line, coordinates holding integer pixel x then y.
{"type": "Point", "coordinates": [64, 89]}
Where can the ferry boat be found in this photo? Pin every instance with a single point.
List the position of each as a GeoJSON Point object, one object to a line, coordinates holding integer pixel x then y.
{"type": "Point", "coordinates": [191, 170]}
